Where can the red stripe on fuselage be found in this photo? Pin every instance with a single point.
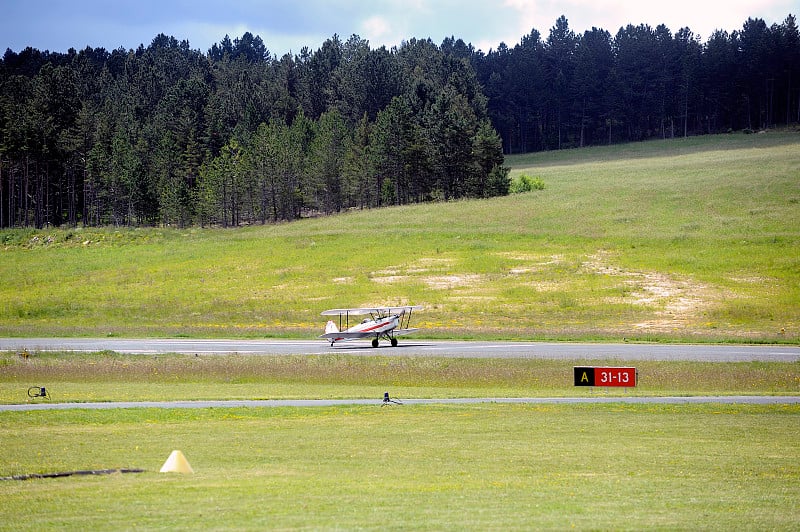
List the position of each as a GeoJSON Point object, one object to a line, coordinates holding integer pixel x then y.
{"type": "Point", "coordinates": [377, 325]}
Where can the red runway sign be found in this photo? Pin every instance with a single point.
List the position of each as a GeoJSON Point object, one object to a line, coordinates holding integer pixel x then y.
{"type": "Point", "coordinates": [591, 376]}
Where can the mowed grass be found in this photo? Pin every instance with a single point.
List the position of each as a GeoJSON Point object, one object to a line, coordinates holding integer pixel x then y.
{"type": "Point", "coordinates": [678, 240]}
{"type": "Point", "coordinates": [465, 467]}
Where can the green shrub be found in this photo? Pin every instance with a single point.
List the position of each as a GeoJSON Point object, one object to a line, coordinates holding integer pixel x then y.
{"type": "Point", "coordinates": [526, 183]}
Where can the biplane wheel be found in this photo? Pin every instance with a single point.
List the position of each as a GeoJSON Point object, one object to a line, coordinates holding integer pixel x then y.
{"type": "Point", "coordinates": [394, 342]}
{"type": "Point", "coordinates": [375, 342]}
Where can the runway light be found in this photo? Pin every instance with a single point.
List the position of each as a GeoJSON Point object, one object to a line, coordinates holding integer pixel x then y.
{"type": "Point", "coordinates": [387, 400]}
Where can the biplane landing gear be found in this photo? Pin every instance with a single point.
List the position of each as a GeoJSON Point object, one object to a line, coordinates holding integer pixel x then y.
{"type": "Point", "coordinates": [393, 341]}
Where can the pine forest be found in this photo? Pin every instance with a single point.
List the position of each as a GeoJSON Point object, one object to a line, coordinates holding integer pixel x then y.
{"type": "Point", "coordinates": [169, 135]}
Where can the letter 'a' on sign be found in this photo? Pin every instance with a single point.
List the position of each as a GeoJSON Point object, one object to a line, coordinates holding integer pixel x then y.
{"type": "Point", "coordinates": [584, 376]}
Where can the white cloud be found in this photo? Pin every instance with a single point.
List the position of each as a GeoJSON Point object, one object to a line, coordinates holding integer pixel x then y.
{"type": "Point", "coordinates": [378, 31]}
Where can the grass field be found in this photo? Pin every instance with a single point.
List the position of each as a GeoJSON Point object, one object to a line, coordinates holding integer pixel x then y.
{"type": "Point", "coordinates": [472, 467]}
{"type": "Point", "coordinates": [680, 240]}
{"type": "Point", "coordinates": [481, 467]}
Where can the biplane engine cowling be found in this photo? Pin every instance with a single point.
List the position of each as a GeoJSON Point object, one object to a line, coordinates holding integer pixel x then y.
{"type": "Point", "coordinates": [331, 327]}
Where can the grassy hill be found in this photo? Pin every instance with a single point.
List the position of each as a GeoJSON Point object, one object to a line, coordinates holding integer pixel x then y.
{"type": "Point", "coordinates": [681, 240]}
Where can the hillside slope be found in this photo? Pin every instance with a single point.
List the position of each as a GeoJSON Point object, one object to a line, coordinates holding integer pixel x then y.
{"type": "Point", "coordinates": [686, 239]}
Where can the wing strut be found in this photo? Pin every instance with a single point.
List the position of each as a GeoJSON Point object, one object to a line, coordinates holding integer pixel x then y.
{"type": "Point", "coordinates": [408, 319]}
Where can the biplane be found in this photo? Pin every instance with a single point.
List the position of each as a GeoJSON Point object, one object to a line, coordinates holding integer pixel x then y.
{"type": "Point", "coordinates": [383, 322]}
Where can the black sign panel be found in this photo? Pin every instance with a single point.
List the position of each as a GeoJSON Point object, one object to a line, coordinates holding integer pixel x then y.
{"type": "Point", "coordinates": [584, 376]}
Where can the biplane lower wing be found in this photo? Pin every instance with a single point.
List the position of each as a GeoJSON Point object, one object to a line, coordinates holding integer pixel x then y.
{"type": "Point", "coordinates": [401, 332]}
{"type": "Point", "coordinates": [347, 335]}
{"type": "Point", "coordinates": [344, 335]}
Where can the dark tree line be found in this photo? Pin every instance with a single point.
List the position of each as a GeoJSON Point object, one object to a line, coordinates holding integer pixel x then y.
{"type": "Point", "coordinates": [165, 134]}
{"type": "Point", "coordinates": [572, 90]}
{"type": "Point", "coordinates": [169, 135]}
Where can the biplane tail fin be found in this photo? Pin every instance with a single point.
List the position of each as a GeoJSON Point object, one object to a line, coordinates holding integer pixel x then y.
{"type": "Point", "coordinates": [331, 327]}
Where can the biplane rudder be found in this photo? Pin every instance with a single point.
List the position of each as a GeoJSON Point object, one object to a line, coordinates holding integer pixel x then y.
{"type": "Point", "coordinates": [331, 327]}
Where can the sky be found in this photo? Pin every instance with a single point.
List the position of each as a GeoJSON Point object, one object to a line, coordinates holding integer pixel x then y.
{"type": "Point", "coordinates": [286, 26]}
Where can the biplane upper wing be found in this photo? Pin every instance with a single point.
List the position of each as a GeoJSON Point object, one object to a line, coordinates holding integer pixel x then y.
{"type": "Point", "coordinates": [342, 311]}
{"type": "Point", "coordinates": [370, 310]}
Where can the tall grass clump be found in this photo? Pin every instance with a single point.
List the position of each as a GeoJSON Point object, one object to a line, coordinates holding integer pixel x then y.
{"type": "Point", "coordinates": [107, 376]}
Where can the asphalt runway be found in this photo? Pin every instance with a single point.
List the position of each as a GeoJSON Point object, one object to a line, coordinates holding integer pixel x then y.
{"type": "Point", "coordinates": [411, 347]}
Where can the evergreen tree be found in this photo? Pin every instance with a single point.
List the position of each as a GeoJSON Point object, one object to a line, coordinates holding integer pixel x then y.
{"type": "Point", "coordinates": [593, 64]}
{"type": "Point", "coordinates": [326, 160]}
{"type": "Point", "coordinates": [359, 167]}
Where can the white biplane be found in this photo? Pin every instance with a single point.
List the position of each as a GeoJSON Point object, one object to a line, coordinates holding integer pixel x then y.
{"type": "Point", "coordinates": [383, 322]}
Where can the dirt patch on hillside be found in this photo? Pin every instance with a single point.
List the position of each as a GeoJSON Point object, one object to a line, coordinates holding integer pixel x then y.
{"type": "Point", "coordinates": [534, 262]}
{"type": "Point", "coordinates": [435, 282]}
{"type": "Point", "coordinates": [678, 301]}
{"type": "Point", "coordinates": [443, 282]}
{"type": "Point", "coordinates": [438, 279]}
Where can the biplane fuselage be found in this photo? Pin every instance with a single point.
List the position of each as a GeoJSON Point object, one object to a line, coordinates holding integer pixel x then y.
{"type": "Point", "coordinates": [384, 322]}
